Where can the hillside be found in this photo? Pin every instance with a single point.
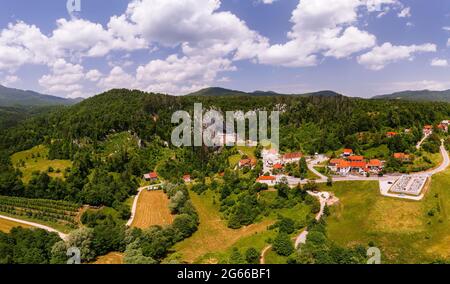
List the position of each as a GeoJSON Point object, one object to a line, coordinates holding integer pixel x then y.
{"type": "Point", "coordinates": [424, 95]}
{"type": "Point", "coordinates": [218, 92]}
{"type": "Point", "coordinates": [14, 97]}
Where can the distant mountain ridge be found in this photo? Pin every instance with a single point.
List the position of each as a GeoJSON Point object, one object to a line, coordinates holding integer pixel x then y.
{"type": "Point", "coordinates": [423, 95]}
{"type": "Point", "coordinates": [10, 97]}
{"type": "Point", "coordinates": [219, 92]}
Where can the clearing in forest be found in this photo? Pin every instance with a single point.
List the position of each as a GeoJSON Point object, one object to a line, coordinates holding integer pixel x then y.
{"type": "Point", "coordinates": [152, 209]}
{"type": "Point", "coordinates": [213, 233]}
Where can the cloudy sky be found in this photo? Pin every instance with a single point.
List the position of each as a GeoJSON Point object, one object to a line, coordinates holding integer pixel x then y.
{"type": "Point", "coordinates": [356, 47]}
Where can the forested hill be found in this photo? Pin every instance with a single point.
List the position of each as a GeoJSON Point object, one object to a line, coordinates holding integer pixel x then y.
{"type": "Point", "coordinates": [218, 92]}
{"type": "Point", "coordinates": [424, 95]}
{"type": "Point", "coordinates": [315, 123]}
{"type": "Point", "coordinates": [10, 97]}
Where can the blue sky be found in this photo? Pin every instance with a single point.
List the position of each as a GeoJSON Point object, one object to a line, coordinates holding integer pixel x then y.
{"type": "Point", "coordinates": [356, 47]}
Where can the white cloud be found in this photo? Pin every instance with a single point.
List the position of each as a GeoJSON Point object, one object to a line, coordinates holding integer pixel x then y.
{"type": "Point", "coordinates": [181, 74]}
{"type": "Point", "coordinates": [65, 78]}
{"type": "Point", "coordinates": [117, 78]}
{"type": "Point", "coordinates": [446, 28]}
{"type": "Point", "coordinates": [93, 75]}
{"type": "Point", "coordinates": [380, 56]}
{"type": "Point", "coordinates": [324, 28]}
{"type": "Point", "coordinates": [415, 86]}
{"type": "Point", "coordinates": [10, 80]}
{"type": "Point", "coordinates": [439, 62]}
{"type": "Point", "coordinates": [405, 13]}
{"type": "Point", "coordinates": [206, 41]}
{"type": "Point", "coordinates": [21, 44]}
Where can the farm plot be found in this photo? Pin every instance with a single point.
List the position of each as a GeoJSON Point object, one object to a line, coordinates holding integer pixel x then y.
{"type": "Point", "coordinates": [152, 209]}
{"type": "Point", "coordinates": [58, 214]}
{"type": "Point", "coordinates": [36, 160]}
{"type": "Point", "coordinates": [7, 225]}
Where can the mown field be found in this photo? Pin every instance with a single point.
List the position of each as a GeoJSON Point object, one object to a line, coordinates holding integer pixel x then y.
{"type": "Point", "coordinates": [152, 209]}
{"type": "Point", "coordinates": [6, 225]}
{"type": "Point", "coordinates": [405, 231]}
{"type": "Point", "coordinates": [110, 258]}
{"type": "Point", "coordinates": [35, 159]}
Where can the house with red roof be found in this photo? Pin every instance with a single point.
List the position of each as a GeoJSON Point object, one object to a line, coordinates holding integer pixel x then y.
{"type": "Point", "coordinates": [347, 152]}
{"type": "Point", "coordinates": [443, 126]}
{"type": "Point", "coordinates": [402, 156]}
{"type": "Point", "coordinates": [269, 180]}
{"type": "Point", "coordinates": [355, 164]}
{"type": "Point", "coordinates": [358, 166]}
{"type": "Point", "coordinates": [343, 168]}
{"type": "Point", "coordinates": [278, 166]}
{"type": "Point", "coordinates": [151, 176]}
{"type": "Point", "coordinates": [292, 157]}
{"type": "Point", "coordinates": [427, 129]}
{"type": "Point", "coordinates": [375, 166]}
{"type": "Point", "coordinates": [356, 158]}
{"type": "Point", "coordinates": [391, 134]}
{"type": "Point", "coordinates": [187, 178]}
{"type": "Point", "coordinates": [251, 163]}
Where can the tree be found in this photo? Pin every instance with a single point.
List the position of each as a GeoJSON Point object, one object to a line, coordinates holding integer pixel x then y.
{"type": "Point", "coordinates": [282, 244]}
{"type": "Point", "coordinates": [303, 167]}
{"type": "Point", "coordinates": [330, 181]}
{"type": "Point", "coordinates": [82, 239]}
{"type": "Point", "coordinates": [252, 256]}
{"type": "Point", "coordinates": [282, 189]}
{"type": "Point", "coordinates": [236, 257]}
{"type": "Point", "coordinates": [286, 225]}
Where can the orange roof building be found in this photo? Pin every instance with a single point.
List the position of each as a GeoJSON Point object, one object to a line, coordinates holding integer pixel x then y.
{"type": "Point", "coordinates": [391, 134]}
{"type": "Point", "coordinates": [247, 163]}
{"type": "Point", "coordinates": [292, 156]}
{"type": "Point", "coordinates": [375, 163]}
{"type": "Point", "coordinates": [401, 156]}
{"type": "Point", "coordinates": [356, 158]}
{"type": "Point", "coordinates": [348, 152]}
{"type": "Point", "coordinates": [266, 179]}
{"type": "Point", "coordinates": [278, 166]}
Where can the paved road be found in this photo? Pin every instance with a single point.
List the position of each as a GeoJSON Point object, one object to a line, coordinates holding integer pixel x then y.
{"type": "Point", "coordinates": [323, 198]}
{"type": "Point", "coordinates": [421, 141]}
{"type": "Point", "coordinates": [445, 163]}
{"type": "Point", "coordinates": [36, 225]}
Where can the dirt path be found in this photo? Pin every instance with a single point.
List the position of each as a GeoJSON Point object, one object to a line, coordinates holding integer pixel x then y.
{"type": "Point", "coordinates": [36, 225]}
{"type": "Point", "coordinates": [323, 198]}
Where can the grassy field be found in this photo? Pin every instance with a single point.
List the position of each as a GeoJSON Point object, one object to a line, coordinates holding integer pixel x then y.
{"type": "Point", "coordinates": [6, 225]}
{"type": "Point", "coordinates": [213, 235]}
{"type": "Point", "coordinates": [152, 209]}
{"type": "Point", "coordinates": [221, 240]}
{"type": "Point", "coordinates": [115, 143]}
{"type": "Point", "coordinates": [110, 258]}
{"type": "Point", "coordinates": [421, 164]}
{"type": "Point", "coordinates": [381, 151]}
{"type": "Point", "coordinates": [35, 159]}
{"type": "Point", "coordinates": [403, 230]}
{"type": "Point", "coordinates": [247, 151]}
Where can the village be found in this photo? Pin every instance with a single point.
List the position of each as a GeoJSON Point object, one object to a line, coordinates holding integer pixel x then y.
{"type": "Point", "coordinates": [347, 167]}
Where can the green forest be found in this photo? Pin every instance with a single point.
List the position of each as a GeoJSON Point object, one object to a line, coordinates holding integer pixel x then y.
{"type": "Point", "coordinates": [104, 177]}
